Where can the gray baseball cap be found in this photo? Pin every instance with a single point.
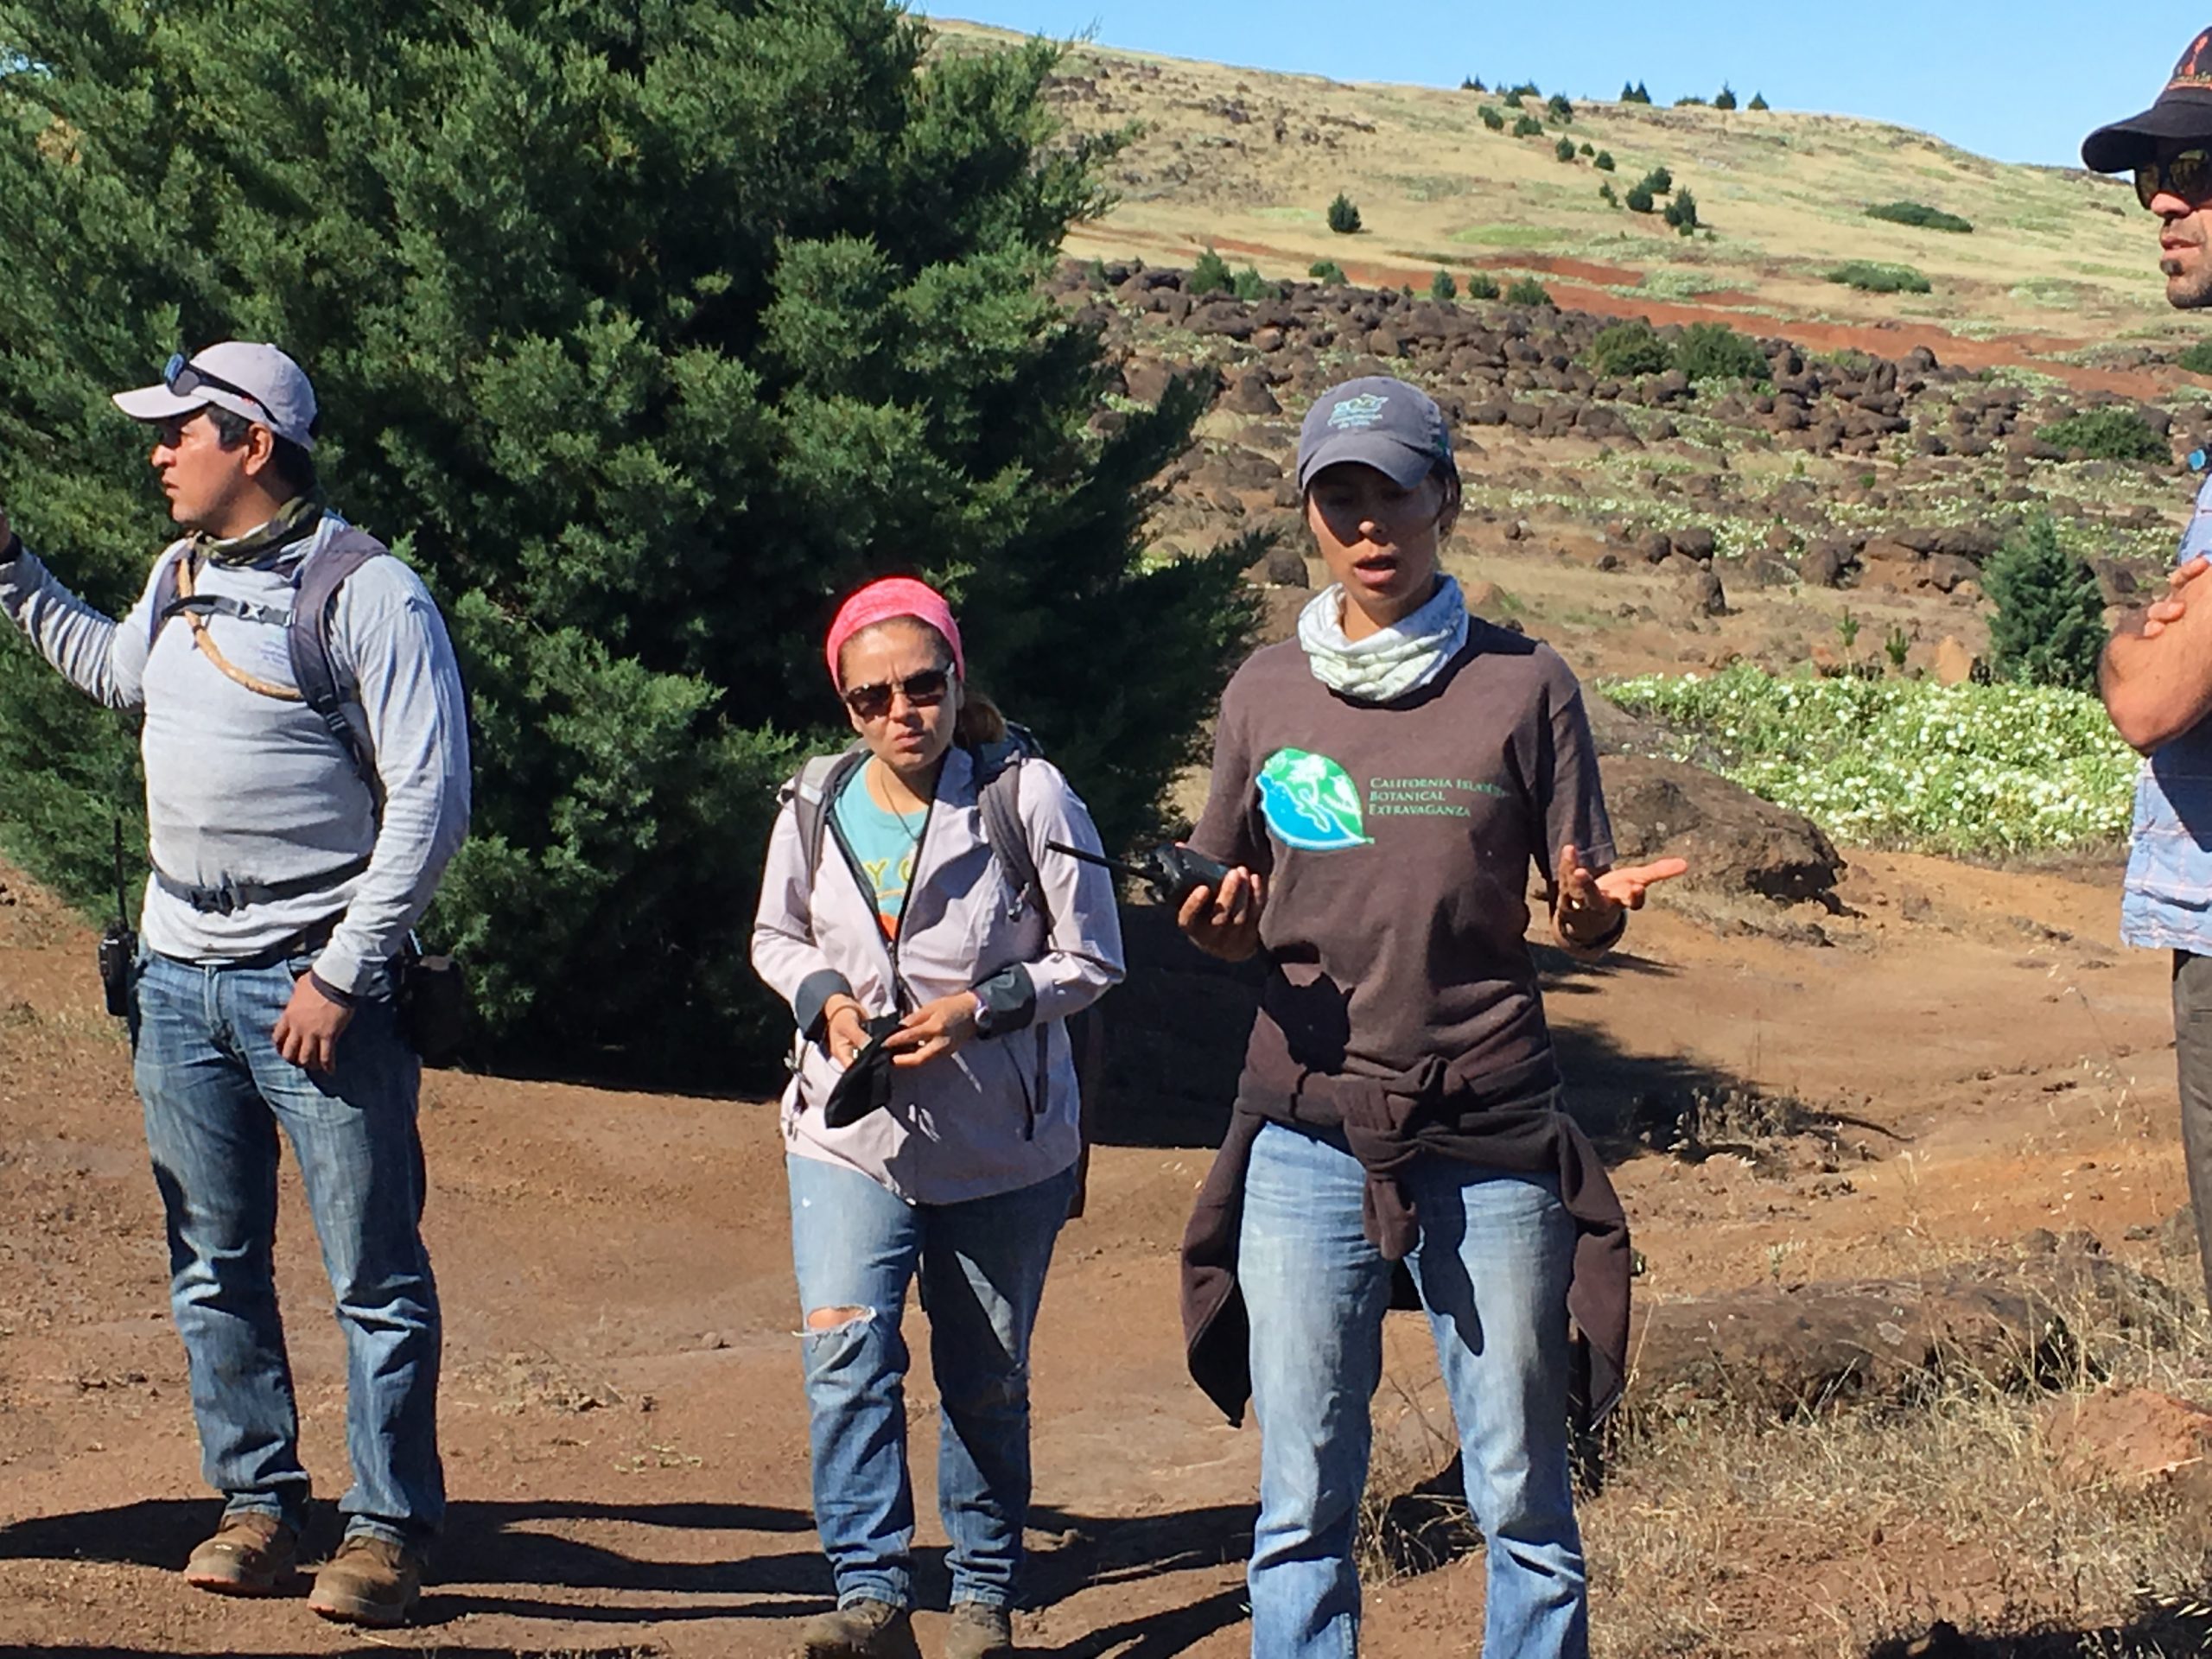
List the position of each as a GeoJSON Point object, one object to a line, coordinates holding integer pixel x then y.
{"type": "Point", "coordinates": [258, 382]}
{"type": "Point", "coordinates": [1377, 422]}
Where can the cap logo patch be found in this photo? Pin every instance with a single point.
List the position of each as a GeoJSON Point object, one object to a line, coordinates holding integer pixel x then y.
{"type": "Point", "coordinates": [2195, 68]}
{"type": "Point", "coordinates": [1356, 414]}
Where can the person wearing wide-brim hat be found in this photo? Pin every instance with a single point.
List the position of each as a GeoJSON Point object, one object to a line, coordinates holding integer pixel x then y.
{"type": "Point", "coordinates": [306, 787]}
{"type": "Point", "coordinates": [2156, 675]}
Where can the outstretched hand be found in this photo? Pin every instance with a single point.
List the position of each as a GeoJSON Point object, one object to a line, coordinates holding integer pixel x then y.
{"type": "Point", "coordinates": [1590, 904]}
{"type": "Point", "coordinates": [2171, 609]}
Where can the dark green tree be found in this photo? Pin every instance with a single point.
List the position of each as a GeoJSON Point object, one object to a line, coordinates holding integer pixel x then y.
{"type": "Point", "coordinates": [1442, 288]}
{"type": "Point", "coordinates": [1726, 100]}
{"type": "Point", "coordinates": [647, 331]}
{"type": "Point", "coordinates": [1344, 216]}
{"type": "Point", "coordinates": [2049, 629]}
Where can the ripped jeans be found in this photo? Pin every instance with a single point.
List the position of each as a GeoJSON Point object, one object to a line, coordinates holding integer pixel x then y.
{"type": "Point", "coordinates": [856, 1247]}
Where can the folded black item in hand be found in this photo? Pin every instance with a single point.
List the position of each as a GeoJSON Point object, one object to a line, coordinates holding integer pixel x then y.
{"type": "Point", "coordinates": [866, 1085]}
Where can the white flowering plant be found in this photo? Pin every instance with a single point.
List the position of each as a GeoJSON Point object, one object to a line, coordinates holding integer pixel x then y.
{"type": "Point", "coordinates": [1970, 769]}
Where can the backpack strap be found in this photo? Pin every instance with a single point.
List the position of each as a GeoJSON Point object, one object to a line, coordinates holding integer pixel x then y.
{"type": "Point", "coordinates": [998, 801]}
{"type": "Point", "coordinates": [812, 792]}
{"type": "Point", "coordinates": [307, 636]}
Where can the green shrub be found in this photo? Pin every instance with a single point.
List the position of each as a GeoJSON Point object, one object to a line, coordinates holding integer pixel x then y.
{"type": "Point", "coordinates": [1870, 277]}
{"type": "Point", "coordinates": [1327, 271]}
{"type": "Point", "coordinates": [1473, 84]}
{"type": "Point", "coordinates": [1639, 199]}
{"type": "Point", "coordinates": [1605, 161]}
{"type": "Point", "coordinates": [1681, 211]}
{"type": "Point", "coordinates": [2048, 628]}
{"type": "Point", "coordinates": [1589, 148]}
{"type": "Point", "coordinates": [2197, 359]}
{"type": "Point", "coordinates": [1624, 350]}
{"type": "Point", "coordinates": [1481, 285]}
{"type": "Point", "coordinates": [1660, 180]}
{"type": "Point", "coordinates": [1210, 274]}
{"type": "Point", "coordinates": [638, 453]}
{"type": "Point", "coordinates": [1758, 102]}
{"type": "Point", "coordinates": [1726, 100]}
{"type": "Point", "coordinates": [1605, 194]}
{"type": "Point", "coordinates": [1920, 215]}
{"type": "Point", "coordinates": [1528, 89]}
{"type": "Point", "coordinates": [1492, 117]}
{"type": "Point", "coordinates": [1564, 149]}
{"type": "Point", "coordinates": [1250, 286]}
{"type": "Point", "coordinates": [1513, 99]}
{"type": "Point", "coordinates": [1442, 288]}
{"type": "Point", "coordinates": [1559, 110]}
{"type": "Point", "coordinates": [1528, 127]}
{"type": "Point", "coordinates": [1343, 218]}
{"type": "Point", "coordinates": [1635, 94]}
{"type": "Point", "coordinates": [1713, 350]}
{"type": "Point", "coordinates": [2115, 432]}
{"type": "Point", "coordinates": [1526, 291]}
{"type": "Point", "coordinates": [1690, 101]}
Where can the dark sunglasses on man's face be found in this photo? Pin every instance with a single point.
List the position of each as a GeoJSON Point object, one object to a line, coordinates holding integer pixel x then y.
{"type": "Point", "coordinates": [2188, 175]}
{"type": "Point", "coordinates": [924, 690]}
{"type": "Point", "coordinates": [183, 379]}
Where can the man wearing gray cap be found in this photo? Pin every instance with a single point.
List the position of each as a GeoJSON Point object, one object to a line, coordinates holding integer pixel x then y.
{"type": "Point", "coordinates": [307, 782]}
{"type": "Point", "coordinates": [2157, 672]}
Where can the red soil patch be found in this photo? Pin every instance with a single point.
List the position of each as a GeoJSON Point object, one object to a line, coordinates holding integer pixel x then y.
{"type": "Point", "coordinates": [1579, 271]}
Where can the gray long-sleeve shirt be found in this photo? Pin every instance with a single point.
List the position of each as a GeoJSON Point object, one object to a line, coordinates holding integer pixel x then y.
{"type": "Point", "coordinates": [246, 789]}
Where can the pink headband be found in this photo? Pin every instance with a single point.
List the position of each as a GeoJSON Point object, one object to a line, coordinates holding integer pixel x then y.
{"type": "Point", "coordinates": [893, 596]}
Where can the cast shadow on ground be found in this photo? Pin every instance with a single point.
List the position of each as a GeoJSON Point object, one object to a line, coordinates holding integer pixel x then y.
{"type": "Point", "coordinates": [2159, 1632]}
{"type": "Point", "coordinates": [492, 1559]}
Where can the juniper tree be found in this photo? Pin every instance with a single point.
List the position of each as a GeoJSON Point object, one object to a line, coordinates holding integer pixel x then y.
{"type": "Point", "coordinates": [2048, 628]}
{"type": "Point", "coordinates": [648, 331]}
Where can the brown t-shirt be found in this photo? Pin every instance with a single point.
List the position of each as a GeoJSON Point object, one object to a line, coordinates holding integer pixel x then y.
{"type": "Point", "coordinates": [1397, 839]}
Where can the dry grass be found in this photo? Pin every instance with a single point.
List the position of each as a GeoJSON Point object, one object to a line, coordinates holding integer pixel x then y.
{"type": "Point", "coordinates": [1851, 1534]}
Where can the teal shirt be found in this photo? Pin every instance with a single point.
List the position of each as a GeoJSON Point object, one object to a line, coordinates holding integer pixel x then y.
{"type": "Point", "coordinates": [885, 843]}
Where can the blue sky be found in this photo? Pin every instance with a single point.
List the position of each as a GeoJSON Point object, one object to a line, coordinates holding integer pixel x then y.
{"type": "Point", "coordinates": [2021, 82]}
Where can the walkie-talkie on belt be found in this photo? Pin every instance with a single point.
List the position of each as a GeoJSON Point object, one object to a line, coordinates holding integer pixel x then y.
{"type": "Point", "coordinates": [119, 941]}
{"type": "Point", "coordinates": [1173, 871]}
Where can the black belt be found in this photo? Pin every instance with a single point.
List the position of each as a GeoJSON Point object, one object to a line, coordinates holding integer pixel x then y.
{"type": "Point", "coordinates": [234, 896]}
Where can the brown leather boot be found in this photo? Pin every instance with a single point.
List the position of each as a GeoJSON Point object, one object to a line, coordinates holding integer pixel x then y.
{"type": "Point", "coordinates": [251, 1555]}
{"type": "Point", "coordinates": [369, 1581]}
{"type": "Point", "coordinates": [865, 1630]}
{"type": "Point", "coordinates": [978, 1633]}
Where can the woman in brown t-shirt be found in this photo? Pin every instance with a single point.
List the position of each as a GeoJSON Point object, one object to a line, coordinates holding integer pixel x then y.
{"type": "Point", "coordinates": [1381, 785]}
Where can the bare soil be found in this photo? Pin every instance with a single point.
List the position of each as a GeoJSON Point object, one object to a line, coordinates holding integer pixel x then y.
{"type": "Point", "coordinates": [624, 1433]}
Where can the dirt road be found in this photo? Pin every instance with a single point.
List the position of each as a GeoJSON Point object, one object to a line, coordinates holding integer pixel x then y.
{"type": "Point", "coordinates": [624, 1427]}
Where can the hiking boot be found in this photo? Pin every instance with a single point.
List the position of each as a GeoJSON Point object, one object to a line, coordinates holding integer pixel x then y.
{"type": "Point", "coordinates": [978, 1633]}
{"type": "Point", "coordinates": [864, 1629]}
{"type": "Point", "coordinates": [369, 1581]}
{"type": "Point", "coordinates": [251, 1553]}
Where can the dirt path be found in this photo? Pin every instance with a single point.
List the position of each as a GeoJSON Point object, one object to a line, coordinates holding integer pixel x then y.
{"type": "Point", "coordinates": [623, 1423]}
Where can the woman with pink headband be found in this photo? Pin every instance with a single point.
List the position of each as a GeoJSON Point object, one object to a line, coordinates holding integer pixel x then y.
{"type": "Point", "coordinates": [932, 1125]}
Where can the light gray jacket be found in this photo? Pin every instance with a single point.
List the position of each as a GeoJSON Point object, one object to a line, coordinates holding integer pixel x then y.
{"type": "Point", "coordinates": [242, 788]}
{"type": "Point", "coordinates": [1002, 1112]}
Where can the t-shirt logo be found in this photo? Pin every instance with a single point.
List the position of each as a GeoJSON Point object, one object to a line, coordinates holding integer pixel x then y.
{"type": "Point", "coordinates": [1310, 803]}
{"type": "Point", "coordinates": [1359, 412]}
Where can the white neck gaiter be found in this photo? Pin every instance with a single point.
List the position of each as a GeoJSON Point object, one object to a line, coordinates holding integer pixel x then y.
{"type": "Point", "coordinates": [1391, 661]}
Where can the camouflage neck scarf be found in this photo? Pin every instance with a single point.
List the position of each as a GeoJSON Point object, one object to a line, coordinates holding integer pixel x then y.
{"type": "Point", "coordinates": [296, 520]}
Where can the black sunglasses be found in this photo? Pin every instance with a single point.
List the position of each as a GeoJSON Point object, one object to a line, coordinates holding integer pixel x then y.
{"type": "Point", "coordinates": [181, 376]}
{"type": "Point", "coordinates": [2188, 175]}
{"type": "Point", "coordinates": [924, 690]}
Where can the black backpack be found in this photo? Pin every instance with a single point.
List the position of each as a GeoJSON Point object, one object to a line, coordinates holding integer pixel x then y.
{"type": "Point", "coordinates": [813, 791]}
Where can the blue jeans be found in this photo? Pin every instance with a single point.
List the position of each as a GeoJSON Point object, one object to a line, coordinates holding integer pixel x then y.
{"type": "Point", "coordinates": [216, 1092]}
{"type": "Point", "coordinates": [1492, 1264]}
{"type": "Point", "coordinates": [857, 1245]}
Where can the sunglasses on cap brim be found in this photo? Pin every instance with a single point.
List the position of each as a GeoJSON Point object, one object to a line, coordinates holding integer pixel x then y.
{"type": "Point", "coordinates": [183, 377]}
{"type": "Point", "coordinates": [2188, 175]}
{"type": "Point", "coordinates": [924, 690]}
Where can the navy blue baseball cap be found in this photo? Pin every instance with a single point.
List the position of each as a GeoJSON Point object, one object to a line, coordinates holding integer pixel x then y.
{"type": "Point", "coordinates": [1377, 422]}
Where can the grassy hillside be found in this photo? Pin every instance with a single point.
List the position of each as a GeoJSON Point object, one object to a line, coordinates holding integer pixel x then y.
{"type": "Point", "coordinates": [1249, 161]}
